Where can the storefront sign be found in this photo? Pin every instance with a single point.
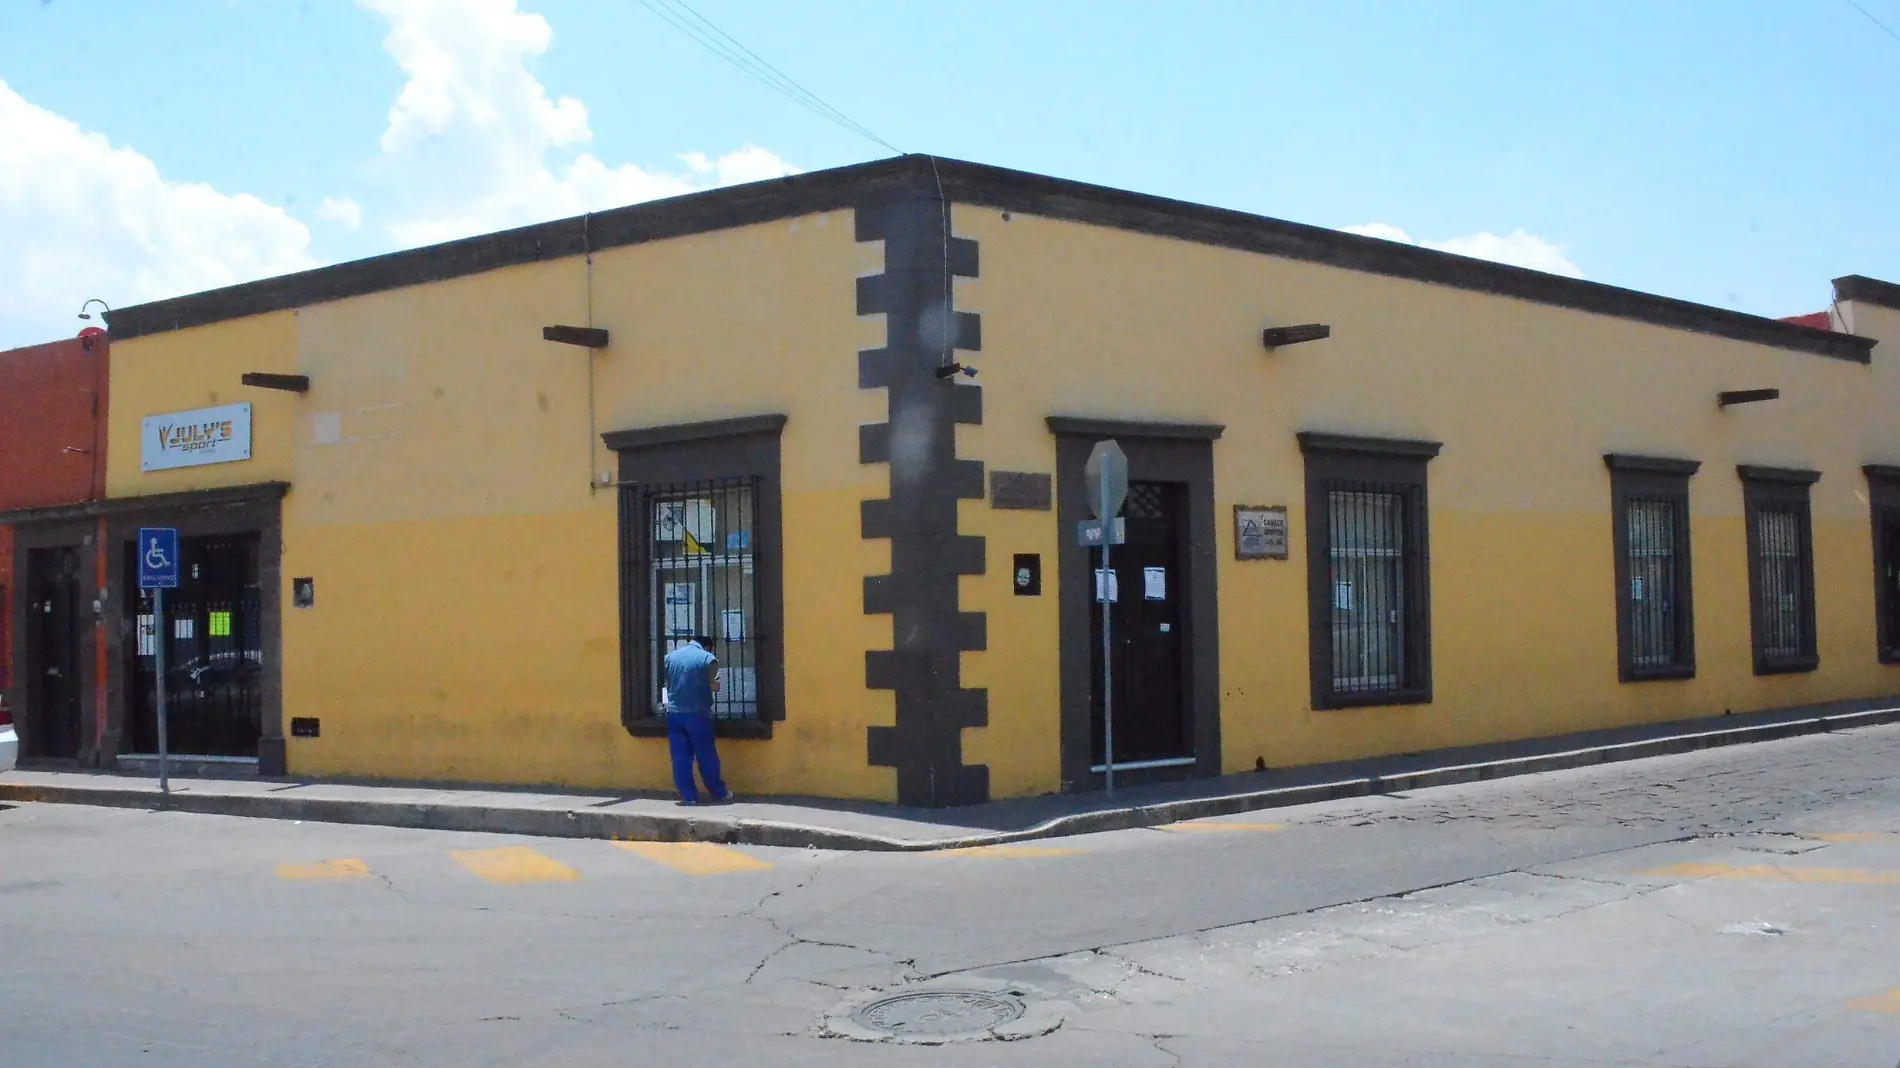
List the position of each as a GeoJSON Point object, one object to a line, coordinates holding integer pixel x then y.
{"type": "Point", "coordinates": [1259, 532]}
{"type": "Point", "coordinates": [218, 435]}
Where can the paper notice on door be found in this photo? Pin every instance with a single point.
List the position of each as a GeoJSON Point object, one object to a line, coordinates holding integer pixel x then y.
{"type": "Point", "coordinates": [1113, 587]}
{"type": "Point", "coordinates": [1154, 583]}
{"type": "Point", "coordinates": [682, 608]}
{"type": "Point", "coordinates": [732, 621]}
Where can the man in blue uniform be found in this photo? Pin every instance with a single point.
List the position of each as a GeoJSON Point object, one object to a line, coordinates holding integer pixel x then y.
{"type": "Point", "coordinates": [691, 680]}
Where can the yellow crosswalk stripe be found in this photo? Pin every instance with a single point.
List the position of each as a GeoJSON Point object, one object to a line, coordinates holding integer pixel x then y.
{"type": "Point", "coordinates": [513, 864]}
{"type": "Point", "coordinates": [696, 858]}
{"type": "Point", "coordinates": [1854, 836]}
{"type": "Point", "coordinates": [1765, 873]}
{"type": "Point", "coordinates": [1888, 1003]}
{"type": "Point", "coordinates": [345, 868]}
{"type": "Point", "coordinates": [1200, 826]}
{"type": "Point", "coordinates": [1009, 852]}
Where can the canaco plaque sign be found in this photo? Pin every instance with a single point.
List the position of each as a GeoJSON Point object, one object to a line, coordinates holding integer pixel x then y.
{"type": "Point", "coordinates": [1260, 532]}
{"type": "Point", "coordinates": [204, 436]}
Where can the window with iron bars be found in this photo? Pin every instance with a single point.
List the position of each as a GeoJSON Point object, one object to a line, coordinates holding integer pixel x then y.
{"type": "Point", "coordinates": [1368, 560]}
{"type": "Point", "coordinates": [1780, 568]}
{"type": "Point", "coordinates": [1654, 559]}
{"type": "Point", "coordinates": [1655, 607]}
{"type": "Point", "coordinates": [1883, 498]}
{"type": "Point", "coordinates": [1373, 577]}
{"type": "Point", "coordinates": [694, 552]}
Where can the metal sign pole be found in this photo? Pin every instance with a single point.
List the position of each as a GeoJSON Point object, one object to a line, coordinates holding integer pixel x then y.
{"type": "Point", "coordinates": [158, 626]}
{"type": "Point", "coordinates": [1106, 595]}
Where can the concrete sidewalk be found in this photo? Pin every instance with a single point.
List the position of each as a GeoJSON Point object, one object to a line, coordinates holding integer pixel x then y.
{"type": "Point", "coordinates": [844, 825]}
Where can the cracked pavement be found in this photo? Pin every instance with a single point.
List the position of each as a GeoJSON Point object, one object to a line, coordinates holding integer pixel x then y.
{"type": "Point", "coordinates": [1735, 907]}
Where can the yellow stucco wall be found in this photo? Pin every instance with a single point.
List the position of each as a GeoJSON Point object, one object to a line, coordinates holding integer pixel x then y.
{"type": "Point", "coordinates": [1083, 320]}
{"type": "Point", "coordinates": [200, 367]}
{"type": "Point", "coordinates": [466, 619]}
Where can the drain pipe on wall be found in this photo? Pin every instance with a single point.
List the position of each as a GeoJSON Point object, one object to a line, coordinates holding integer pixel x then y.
{"type": "Point", "coordinates": [594, 482]}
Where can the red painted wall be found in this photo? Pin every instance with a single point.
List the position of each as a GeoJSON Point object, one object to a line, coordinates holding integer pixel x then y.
{"type": "Point", "coordinates": [52, 443]}
{"type": "Point", "coordinates": [52, 426]}
{"type": "Point", "coordinates": [7, 594]}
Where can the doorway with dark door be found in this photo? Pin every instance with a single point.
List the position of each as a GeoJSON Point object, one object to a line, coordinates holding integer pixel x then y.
{"type": "Point", "coordinates": [1165, 621]}
{"type": "Point", "coordinates": [55, 681]}
{"type": "Point", "coordinates": [214, 652]}
{"type": "Point", "coordinates": [1144, 591]}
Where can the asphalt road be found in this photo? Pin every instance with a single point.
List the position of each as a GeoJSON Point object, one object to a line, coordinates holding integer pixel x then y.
{"type": "Point", "coordinates": [1728, 908]}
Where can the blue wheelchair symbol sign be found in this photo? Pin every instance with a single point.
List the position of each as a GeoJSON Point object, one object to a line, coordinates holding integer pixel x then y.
{"type": "Point", "coordinates": [158, 558]}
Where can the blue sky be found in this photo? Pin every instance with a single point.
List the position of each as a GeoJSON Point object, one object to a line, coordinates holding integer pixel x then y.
{"type": "Point", "coordinates": [1738, 153]}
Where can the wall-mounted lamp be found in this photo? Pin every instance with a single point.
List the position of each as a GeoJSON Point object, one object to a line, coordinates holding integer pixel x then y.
{"type": "Point", "coordinates": [952, 370]}
{"type": "Point", "coordinates": [287, 383]}
{"type": "Point", "coordinates": [587, 337]}
{"type": "Point", "coordinates": [84, 314]}
{"type": "Point", "coordinates": [1745, 396]}
{"type": "Point", "coordinates": [1274, 337]}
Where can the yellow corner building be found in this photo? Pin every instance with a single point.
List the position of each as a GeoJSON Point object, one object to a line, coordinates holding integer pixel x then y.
{"type": "Point", "coordinates": [1382, 499]}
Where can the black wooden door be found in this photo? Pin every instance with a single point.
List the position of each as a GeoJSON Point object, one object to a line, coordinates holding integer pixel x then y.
{"type": "Point", "coordinates": [54, 673]}
{"type": "Point", "coordinates": [1147, 611]}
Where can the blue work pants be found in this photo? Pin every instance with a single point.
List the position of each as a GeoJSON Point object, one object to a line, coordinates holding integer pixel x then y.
{"type": "Point", "coordinates": [691, 738]}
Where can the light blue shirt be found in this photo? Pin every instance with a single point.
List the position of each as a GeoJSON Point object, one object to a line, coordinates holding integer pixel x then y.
{"type": "Point", "coordinates": [689, 671]}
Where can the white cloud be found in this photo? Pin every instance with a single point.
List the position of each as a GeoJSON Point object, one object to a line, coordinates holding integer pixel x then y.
{"type": "Point", "coordinates": [84, 219]}
{"type": "Point", "coordinates": [1519, 249]}
{"type": "Point", "coordinates": [343, 211]}
{"type": "Point", "coordinates": [476, 143]}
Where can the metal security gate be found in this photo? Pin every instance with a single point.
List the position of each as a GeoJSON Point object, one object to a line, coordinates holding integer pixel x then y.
{"type": "Point", "coordinates": [692, 572]}
{"type": "Point", "coordinates": [214, 654]}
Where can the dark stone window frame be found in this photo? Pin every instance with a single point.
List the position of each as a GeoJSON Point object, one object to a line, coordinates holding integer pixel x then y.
{"type": "Point", "coordinates": [727, 448]}
{"type": "Point", "coordinates": [1883, 507]}
{"type": "Point", "coordinates": [1780, 489]}
{"type": "Point", "coordinates": [1652, 478]}
{"type": "Point", "coordinates": [1392, 461]}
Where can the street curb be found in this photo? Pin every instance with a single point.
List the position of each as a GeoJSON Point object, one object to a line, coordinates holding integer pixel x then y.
{"type": "Point", "coordinates": [654, 827]}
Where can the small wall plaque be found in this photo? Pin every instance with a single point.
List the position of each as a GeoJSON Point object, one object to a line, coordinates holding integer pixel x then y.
{"type": "Point", "coordinates": [1021, 490]}
{"type": "Point", "coordinates": [305, 727]}
{"type": "Point", "coordinates": [303, 592]}
{"type": "Point", "coordinates": [1260, 532]}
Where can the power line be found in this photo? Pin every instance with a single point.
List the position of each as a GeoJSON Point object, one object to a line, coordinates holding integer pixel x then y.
{"type": "Point", "coordinates": [1875, 21]}
{"type": "Point", "coordinates": [682, 17]}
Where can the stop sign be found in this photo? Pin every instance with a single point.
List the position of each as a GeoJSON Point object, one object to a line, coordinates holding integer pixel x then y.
{"type": "Point", "coordinates": [1107, 479]}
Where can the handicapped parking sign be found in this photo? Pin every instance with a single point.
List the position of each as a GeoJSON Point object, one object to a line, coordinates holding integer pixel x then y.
{"type": "Point", "coordinates": [158, 558]}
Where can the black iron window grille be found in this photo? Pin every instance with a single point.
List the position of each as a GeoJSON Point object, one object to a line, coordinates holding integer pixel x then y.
{"type": "Point", "coordinates": [1368, 570]}
{"type": "Point", "coordinates": [1883, 493]}
{"type": "Point", "coordinates": [1780, 568]}
{"type": "Point", "coordinates": [1372, 565]}
{"type": "Point", "coordinates": [1654, 560]}
{"type": "Point", "coordinates": [1655, 609]}
{"type": "Point", "coordinates": [693, 550]}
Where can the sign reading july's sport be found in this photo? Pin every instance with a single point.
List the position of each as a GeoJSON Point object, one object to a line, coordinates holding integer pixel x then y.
{"type": "Point", "coordinates": [158, 558]}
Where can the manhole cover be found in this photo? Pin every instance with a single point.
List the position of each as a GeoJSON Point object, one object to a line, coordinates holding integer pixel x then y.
{"type": "Point", "coordinates": [938, 1012]}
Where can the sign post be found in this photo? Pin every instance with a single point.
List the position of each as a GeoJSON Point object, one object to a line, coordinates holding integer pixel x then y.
{"type": "Point", "coordinates": [158, 572]}
{"type": "Point", "coordinates": [1107, 479]}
